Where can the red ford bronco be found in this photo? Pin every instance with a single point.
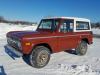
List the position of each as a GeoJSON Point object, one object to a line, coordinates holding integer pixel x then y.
{"type": "Point", "coordinates": [52, 35]}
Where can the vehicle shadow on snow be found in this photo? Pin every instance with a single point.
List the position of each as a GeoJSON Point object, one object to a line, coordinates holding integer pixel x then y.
{"type": "Point", "coordinates": [71, 52]}
{"type": "Point", "coordinates": [11, 54]}
{"type": "Point", "coordinates": [26, 59]}
{"type": "Point", "coordinates": [2, 71]}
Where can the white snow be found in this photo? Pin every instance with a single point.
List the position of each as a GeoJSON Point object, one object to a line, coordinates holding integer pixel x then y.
{"type": "Point", "coordinates": [30, 28]}
{"type": "Point", "coordinates": [96, 31]}
{"type": "Point", "coordinates": [61, 63]}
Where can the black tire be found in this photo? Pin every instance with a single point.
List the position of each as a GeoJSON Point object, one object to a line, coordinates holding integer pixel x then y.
{"type": "Point", "coordinates": [39, 57]}
{"type": "Point", "coordinates": [82, 48]}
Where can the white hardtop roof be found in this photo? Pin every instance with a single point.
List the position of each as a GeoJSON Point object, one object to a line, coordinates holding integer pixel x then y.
{"type": "Point", "coordinates": [75, 18]}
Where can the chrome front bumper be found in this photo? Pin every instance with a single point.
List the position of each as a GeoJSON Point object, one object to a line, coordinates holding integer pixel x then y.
{"type": "Point", "coordinates": [14, 50]}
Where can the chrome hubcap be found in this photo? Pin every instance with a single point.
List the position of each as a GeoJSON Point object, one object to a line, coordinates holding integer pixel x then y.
{"type": "Point", "coordinates": [42, 58]}
{"type": "Point", "coordinates": [83, 48]}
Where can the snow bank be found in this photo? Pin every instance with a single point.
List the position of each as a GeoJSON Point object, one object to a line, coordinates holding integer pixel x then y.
{"type": "Point", "coordinates": [96, 31]}
{"type": "Point", "coordinates": [30, 28]}
{"type": "Point", "coordinates": [4, 28]}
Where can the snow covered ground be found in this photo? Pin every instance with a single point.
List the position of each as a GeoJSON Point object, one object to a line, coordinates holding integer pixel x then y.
{"type": "Point", "coordinates": [62, 63]}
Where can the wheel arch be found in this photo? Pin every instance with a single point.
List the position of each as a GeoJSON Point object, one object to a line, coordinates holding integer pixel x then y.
{"type": "Point", "coordinates": [86, 40]}
{"type": "Point", "coordinates": [45, 45]}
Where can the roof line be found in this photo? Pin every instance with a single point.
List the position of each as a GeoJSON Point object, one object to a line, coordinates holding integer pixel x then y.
{"type": "Point", "coordinates": [68, 18]}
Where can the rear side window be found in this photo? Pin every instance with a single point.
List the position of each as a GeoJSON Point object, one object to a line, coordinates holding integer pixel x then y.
{"type": "Point", "coordinates": [82, 25]}
{"type": "Point", "coordinates": [67, 26]}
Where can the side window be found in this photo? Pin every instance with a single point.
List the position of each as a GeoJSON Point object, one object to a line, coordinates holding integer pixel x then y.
{"type": "Point", "coordinates": [63, 28]}
{"type": "Point", "coordinates": [82, 25]}
{"type": "Point", "coordinates": [67, 26]}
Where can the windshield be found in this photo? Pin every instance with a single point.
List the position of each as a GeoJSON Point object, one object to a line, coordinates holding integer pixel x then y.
{"type": "Point", "coordinates": [48, 24]}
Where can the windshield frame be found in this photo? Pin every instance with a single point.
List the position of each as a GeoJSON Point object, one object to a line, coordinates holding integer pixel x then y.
{"type": "Point", "coordinates": [48, 21]}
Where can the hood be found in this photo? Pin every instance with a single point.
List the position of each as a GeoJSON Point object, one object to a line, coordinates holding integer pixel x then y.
{"type": "Point", "coordinates": [21, 34]}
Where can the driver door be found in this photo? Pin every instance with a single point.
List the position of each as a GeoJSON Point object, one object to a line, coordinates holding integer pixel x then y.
{"type": "Point", "coordinates": [67, 39]}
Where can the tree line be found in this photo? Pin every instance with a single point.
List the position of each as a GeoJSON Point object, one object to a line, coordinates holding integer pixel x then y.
{"type": "Point", "coordinates": [95, 25]}
{"type": "Point", "coordinates": [3, 20]}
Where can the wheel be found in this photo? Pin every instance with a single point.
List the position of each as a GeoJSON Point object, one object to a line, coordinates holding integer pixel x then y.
{"type": "Point", "coordinates": [39, 57]}
{"type": "Point", "coordinates": [82, 48]}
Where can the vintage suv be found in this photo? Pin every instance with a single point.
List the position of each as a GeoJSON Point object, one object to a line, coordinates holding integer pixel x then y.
{"type": "Point", "coordinates": [52, 35]}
